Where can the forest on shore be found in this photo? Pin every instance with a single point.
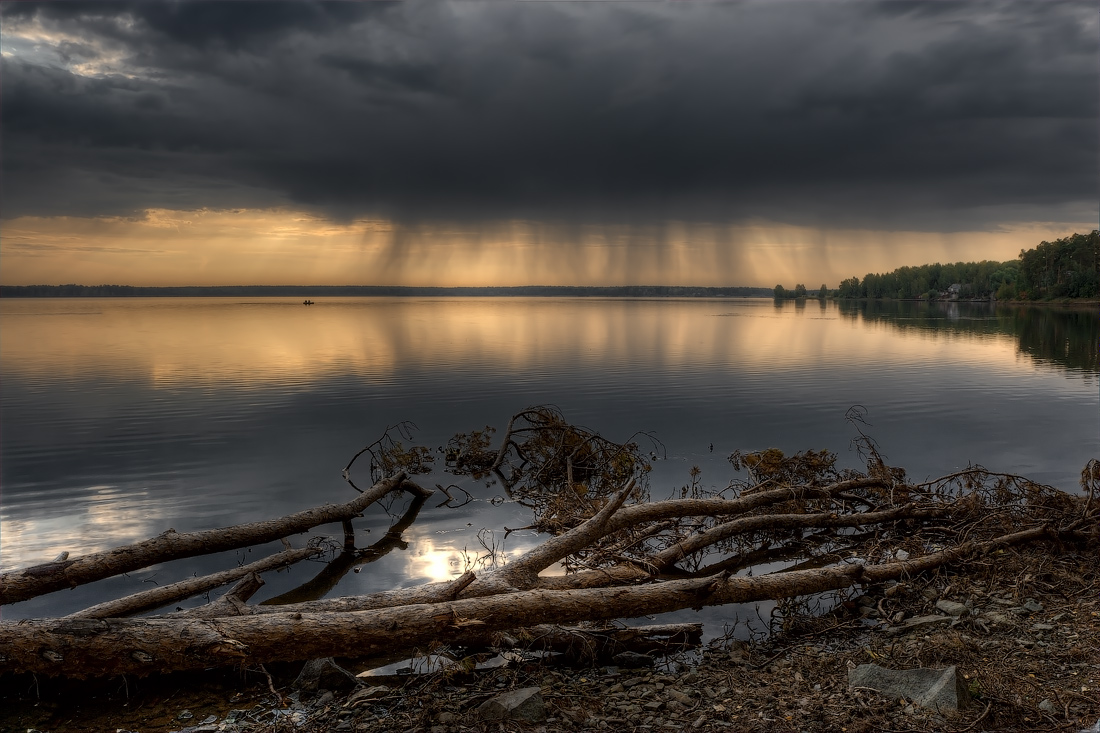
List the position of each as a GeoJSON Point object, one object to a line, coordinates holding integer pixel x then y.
{"type": "Point", "coordinates": [1065, 268]}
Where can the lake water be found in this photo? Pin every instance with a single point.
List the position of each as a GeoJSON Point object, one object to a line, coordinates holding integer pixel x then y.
{"type": "Point", "coordinates": [124, 417]}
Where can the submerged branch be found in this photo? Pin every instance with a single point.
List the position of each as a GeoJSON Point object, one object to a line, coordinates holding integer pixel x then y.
{"type": "Point", "coordinates": [165, 594]}
{"type": "Point", "coordinates": [20, 585]}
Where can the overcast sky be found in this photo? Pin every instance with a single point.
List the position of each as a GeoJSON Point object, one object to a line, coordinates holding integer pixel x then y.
{"type": "Point", "coordinates": [507, 143]}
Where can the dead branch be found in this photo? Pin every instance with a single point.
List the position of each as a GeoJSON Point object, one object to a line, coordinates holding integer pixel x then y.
{"type": "Point", "coordinates": [622, 519]}
{"type": "Point", "coordinates": [165, 594]}
{"type": "Point", "coordinates": [773, 522]}
{"type": "Point", "coordinates": [523, 572]}
{"type": "Point", "coordinates": [231, 604]}
{"type": "Point", "coordinates": [321, 584]}
{"type": "Point", "coordinates": [19, 585]}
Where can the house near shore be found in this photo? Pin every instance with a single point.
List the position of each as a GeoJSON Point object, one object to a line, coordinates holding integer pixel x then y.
{"type": "Point", "coordinates": [953, 291]}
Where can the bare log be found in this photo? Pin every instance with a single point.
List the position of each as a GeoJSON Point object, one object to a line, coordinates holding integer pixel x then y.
{"type": "Point", "coordinates": [165, 594]}
{"type": "Point", "coordinates": [100, 647]}
{"type": "Point", "coordinates": [19, 585]}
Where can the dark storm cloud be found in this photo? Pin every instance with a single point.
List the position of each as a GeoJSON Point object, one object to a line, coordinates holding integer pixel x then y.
{"type": "Point", "coordinates": [926, 115]}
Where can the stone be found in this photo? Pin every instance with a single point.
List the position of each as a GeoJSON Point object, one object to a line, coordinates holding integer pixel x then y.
{"type": "Point", "coordinates": [445, 718]}
{"type": "Point", "coordinates": [1048, 706]}
{"type": "Point", "coordinates": [921, 623]}
{"type": "Point", "coordinates": [936, 689]}
{"type": "Point", "coordinates": [525, 704]}
{"type": "Point", "coordinates": [497, 662]}
{"type": "Point", "coordinates": [679, 696]}
{"type": "Point", "coordinates": [952, 608]}
{"type": "Point", "coordinates": [360, 697]}
{"type": "Point", "coordinates": [1029, 607]}
{"type": "Point", "coordinates": [324, 674]}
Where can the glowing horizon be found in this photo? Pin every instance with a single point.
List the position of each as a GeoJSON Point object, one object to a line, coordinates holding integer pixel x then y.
{"type": "Point", "coordinates": [281, 246]}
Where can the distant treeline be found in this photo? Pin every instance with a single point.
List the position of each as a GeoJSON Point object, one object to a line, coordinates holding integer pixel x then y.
{"type": "Point", "coordinates": [318, 291]}
{"type": "Point", "coordinates": [1064, 268]}
{"type": "Point", "coordinates": [799, 291]}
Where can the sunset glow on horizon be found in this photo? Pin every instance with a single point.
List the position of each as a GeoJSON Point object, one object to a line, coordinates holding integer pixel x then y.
{"type": "Point", "coordinates": [285, 247]}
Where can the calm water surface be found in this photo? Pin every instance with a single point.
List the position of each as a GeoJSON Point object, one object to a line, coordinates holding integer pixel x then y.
{"type": "Point", "coordinates": [122, 418]}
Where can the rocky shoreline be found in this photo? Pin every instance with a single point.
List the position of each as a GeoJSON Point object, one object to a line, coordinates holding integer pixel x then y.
{"type": "Point", "coordinates": [1022, 638]}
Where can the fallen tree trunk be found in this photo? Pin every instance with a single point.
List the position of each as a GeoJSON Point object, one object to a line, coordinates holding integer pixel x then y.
{"type": "Point", "coordinates": [96, 647]}
{"type": "Point", "coordinates": [20, 585]}
{"type": "Point", "coordinates": [157, 597]}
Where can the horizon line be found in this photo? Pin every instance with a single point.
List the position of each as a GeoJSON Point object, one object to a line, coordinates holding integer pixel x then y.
{"type": "Point", "coordinates": [107, 290]}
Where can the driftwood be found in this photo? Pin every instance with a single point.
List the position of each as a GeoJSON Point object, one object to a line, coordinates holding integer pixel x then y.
{"type": "Point", "coordinates": [350, 558]}
{"type": "Point", "coordinates": [625, 556]}
{"type": "Point", "coordinates": [231, 603]}
{"type": "Point", "coordinates": [93, 647]}
{"type": "Point", "coordinates": [157, 597]}
{"type": "Point", "coordinates": [19, 585]}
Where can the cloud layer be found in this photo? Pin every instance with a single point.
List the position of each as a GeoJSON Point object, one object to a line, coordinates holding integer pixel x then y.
{"type": "Point", "coordinates": [933, 116]}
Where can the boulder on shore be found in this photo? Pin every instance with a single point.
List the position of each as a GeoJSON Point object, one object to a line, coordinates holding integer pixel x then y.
{"type": "Point", "coordinates": [942, 690]}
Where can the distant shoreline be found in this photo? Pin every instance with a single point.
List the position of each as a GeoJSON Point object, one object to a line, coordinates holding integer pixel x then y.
{"type": "Point", "coordinates": [394, 291]}
{"type": "Point", "coordinates": [317, 291]}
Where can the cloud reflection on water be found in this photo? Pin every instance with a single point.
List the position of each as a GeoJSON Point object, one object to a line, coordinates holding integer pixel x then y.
{"type": "Point", "coordinates": [255, 344]}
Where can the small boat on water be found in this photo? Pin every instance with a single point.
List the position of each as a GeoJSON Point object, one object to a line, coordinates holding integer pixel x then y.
{"type": "Point", "coordinates": [307, 302]}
